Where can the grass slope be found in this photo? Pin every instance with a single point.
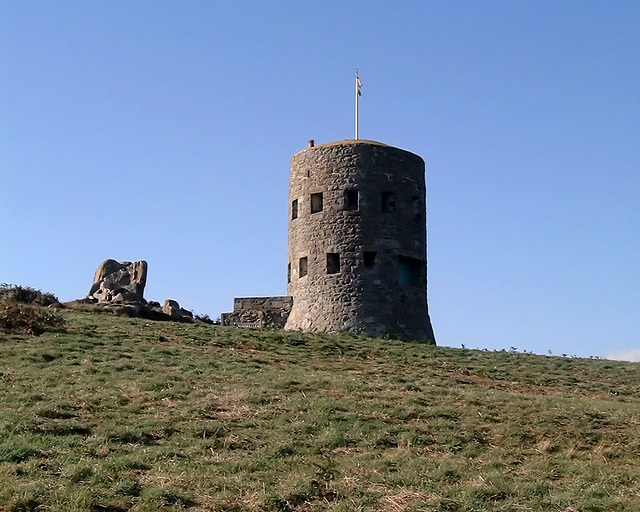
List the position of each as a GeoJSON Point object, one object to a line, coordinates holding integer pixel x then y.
{"type": "Point", "coordinates": [116, 414]}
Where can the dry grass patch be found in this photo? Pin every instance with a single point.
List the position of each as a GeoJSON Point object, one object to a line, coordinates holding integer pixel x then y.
{"type": "Point", "coordinates": [405, 500]}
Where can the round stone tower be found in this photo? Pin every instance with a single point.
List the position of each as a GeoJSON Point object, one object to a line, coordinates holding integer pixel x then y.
{"type": "Point", "coordinates": [357, 258]}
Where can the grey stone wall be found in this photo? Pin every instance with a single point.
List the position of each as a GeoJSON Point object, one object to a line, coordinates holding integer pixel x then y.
{"type": "Point", "coordinates": [257, 312]}
{"type": "Point", "coordinates": [379, 238]}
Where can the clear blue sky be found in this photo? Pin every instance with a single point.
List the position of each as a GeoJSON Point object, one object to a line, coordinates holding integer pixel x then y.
{"type": "Point", "coordinates": [162, 130]}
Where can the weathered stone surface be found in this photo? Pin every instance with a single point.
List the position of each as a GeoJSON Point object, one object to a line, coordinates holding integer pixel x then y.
{"type": "Point", "coordinates": [357, 255]}
{"type": "Point", "coordinates": [173, 310]}
{"type": "Point", "coordinates": [118, 286]}
{"type": "Point", "coordinates": [119, 282]}
{"type": "Point", "coordinates": [256, 312]}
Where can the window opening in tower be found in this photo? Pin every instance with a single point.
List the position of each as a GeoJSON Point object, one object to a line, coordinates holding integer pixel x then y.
{"type": "Point", "coordinates": [333, 263]}
{"type": "Point", "coordinates": [302, 267]}
{"type": "Point", "coordinates": [351, 200]}
{"type": "Point", "coordinates": [388, 202]}
{"type": "Point", "coordinates": [316, 202]}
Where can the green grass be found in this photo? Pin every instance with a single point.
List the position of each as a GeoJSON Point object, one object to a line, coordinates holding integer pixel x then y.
{"type": "Point", "coordinates": [118, 414]}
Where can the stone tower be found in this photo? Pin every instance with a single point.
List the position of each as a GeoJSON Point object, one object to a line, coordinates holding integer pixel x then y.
{"type": "Point", "coordinates": [357, 257]}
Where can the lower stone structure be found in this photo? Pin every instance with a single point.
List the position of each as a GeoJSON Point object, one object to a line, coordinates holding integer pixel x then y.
{"type": "Point", "coordinates": [258, 312]}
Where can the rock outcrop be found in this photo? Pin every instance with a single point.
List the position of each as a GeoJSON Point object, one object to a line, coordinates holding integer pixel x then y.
{"type": "Point", "coordinates": [119, 282]}
{"type": "Point", "coordinates": [118, 286]}
{"type": "Point", "coordinates": [173, 310]}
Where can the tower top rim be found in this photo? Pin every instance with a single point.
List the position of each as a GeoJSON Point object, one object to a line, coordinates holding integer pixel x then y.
{"type": "Point", "coordinates": [354, 142]}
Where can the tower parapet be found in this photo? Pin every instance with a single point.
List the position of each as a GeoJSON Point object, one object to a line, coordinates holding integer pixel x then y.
{"type": "Point", "coordinates": [357, 256]}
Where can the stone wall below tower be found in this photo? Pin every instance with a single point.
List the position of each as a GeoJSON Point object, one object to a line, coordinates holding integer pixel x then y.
{"type": "Point", "coordinates": [258, 312]}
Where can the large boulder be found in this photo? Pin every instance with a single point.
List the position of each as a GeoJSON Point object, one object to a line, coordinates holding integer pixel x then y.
{"type": "Point", "coordinates": [173, 310]}
{"type": "Point", "coordinates": [119, 282]}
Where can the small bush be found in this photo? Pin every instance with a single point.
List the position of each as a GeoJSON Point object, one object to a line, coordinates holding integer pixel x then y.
{"type": "Point", "coordinates": [205, 319]}
{"type": "Point", "coordinates": [26, 295]}
{"type": "Point", "coordinates": [129, 488]}
{"type": "Point", "coordinates": [13, 450]}
{"type": "Point", "coordinates": [25, 505]}
{"type": "Point", "coordinates": [19, 318]}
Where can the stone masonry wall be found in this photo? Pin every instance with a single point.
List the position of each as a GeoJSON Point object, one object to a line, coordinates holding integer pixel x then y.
{"type": "Point", "coordinates": [373, 217]}
{"type": "Point", "coordinates": [256, 312]}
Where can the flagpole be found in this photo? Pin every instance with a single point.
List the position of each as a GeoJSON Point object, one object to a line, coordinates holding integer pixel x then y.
{"type": "Point", "coordinates": [357, 104]}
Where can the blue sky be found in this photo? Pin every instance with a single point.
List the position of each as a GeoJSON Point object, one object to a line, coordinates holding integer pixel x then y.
{"type": "Point", "coordinates": [163, 131]}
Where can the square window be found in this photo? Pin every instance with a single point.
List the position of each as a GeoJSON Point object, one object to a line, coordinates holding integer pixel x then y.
{"type": "Point", "coordinates": [302, 267]}
{"type": "Point", "coordinates": [369, 258]}
{"type": "Point", "coordinates": [415, 207]}
{"type": "Point", "coordinates": [350, 199]}
{"type": "Point", "coordinates": [294, 209]}
{"type": "Point", "coordinates": [316, 202]}
{"type": "Point", "coordinates": [333, 263]}
{"type": "Point", "coordinates": [388, 202]}
{"type": "Point", "coordinates": [411, 271]}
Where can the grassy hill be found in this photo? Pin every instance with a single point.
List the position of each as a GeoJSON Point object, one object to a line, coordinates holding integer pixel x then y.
{"type": "Point", "coordinates": [114, 414]}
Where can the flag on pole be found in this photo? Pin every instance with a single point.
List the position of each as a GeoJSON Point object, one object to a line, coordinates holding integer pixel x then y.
{"type": "Point", "coordinates": [358, 94]}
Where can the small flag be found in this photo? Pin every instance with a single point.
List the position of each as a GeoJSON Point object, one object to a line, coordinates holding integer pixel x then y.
{"type": "Point", "coordinates": [359, 85]}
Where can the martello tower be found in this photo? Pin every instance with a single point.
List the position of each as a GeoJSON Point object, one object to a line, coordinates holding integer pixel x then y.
{"type": "Point", "coordinates": [357, 257]}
